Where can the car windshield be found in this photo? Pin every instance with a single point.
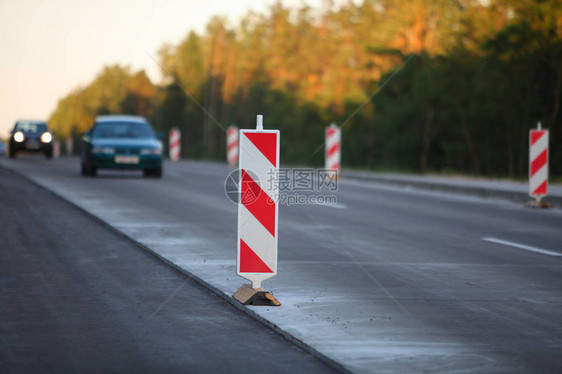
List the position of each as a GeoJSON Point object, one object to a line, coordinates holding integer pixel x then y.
{"type": "Point", "coordinates": [136, 130]}
{"type": "Point", "coordinates": [24, 126]}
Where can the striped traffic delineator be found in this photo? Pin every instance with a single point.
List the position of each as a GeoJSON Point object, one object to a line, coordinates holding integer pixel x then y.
{"type": "Point", "coordinates": [232, 145]}
{"type": "Point", "coordinates": [56, 148]}
{"type": "Point", "coordinates": [538, 163]}
{"type": "Point", "coordinates": [333, 148]}
{"type": "Point", "coordinates": [175, 144]}
{"type": "Point", "coordinates": [69, 146]}
{"type": "Point", "coordinates": [257, 212]}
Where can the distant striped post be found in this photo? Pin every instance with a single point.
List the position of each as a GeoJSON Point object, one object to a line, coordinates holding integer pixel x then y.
{"type": "Point", "coordinates": [538, 163]}
{"type": "Point", "coordinates": [175, 144]}
{"type": "Point", "coordinates": [56, 148]}
{"type": "Point", "coordinates": [69, 146]}
{"type": "Point", "coordinates": [232, 146]}
{"type": "Point", "coordinates": [333, 149]}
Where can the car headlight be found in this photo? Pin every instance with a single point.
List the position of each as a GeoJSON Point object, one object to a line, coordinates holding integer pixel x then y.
{"type": "Point", "coordinates": [150, 151]}
{"type": "Point", "coordinates": [46, 137]}
{"type": "Point", "coordinates": [104, 150]}
{"type": "Point", "coordinates": [18, 137]}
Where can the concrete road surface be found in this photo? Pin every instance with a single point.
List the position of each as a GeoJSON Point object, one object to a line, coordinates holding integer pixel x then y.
{"type": "Point", "coordinates": [386, 280]}
{"type": "Point", "coordinates": [78, 298]}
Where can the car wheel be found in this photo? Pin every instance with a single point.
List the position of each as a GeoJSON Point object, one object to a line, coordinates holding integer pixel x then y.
{"type": "Point", "coordinates": [93, 171]}
{"type": "Point", "coordinates": [12, 153]}
{"type": "Point", "coordinates": [49, 154]}
{"type": "Point", "coordinates": [154, 173]}
{"type": "Point", "coordinates": [88, 170]}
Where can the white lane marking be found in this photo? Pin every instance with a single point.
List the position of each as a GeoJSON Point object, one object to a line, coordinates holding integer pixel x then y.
{"type": "Point", "coordinates": [335, 206]}
{"type": "Point", "coordinates": [522, 246]}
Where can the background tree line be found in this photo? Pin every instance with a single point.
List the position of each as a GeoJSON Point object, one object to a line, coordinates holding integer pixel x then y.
{"type": "Point", "coordinates": [418, 85]}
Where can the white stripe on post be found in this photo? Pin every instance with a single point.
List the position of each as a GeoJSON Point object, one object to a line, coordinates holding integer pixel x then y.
{"type": "Point", "coordinates": [537, 181]}
{"type": "Point", "coordinates": [258, 209]}
{"type": "Point", "coordinates": [539, 146]}
{"type": "Point", "coordinates": [259, 239]}
{"type": "Point", "coordinates": [175, 144]}
{"type": "Point", "coordinates": [258, 164]}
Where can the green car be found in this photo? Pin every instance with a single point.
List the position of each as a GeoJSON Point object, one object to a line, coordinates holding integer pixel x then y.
{"type": "Point", "coordinates": [121, 142]}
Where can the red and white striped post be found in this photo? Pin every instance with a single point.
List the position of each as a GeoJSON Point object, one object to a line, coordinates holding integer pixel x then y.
{"type": "Point", "coordinates": [333, 148]}
{"type": "Point", "coordinates": [56, 148]}
{"type": "Point", "coordinates": [258, 206]}
{"type": "Point", "coordinates": [538, 163]}
{"type": "Point", "coordinates": [69, 146]}
{"type": "Point", "coordinates": [232, 145]}
{"type": "Point", "coordinates": [175, 144]}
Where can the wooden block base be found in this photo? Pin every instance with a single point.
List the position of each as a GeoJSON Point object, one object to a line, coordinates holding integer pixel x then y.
{"type": "Point", "coordinates": [255, 296]}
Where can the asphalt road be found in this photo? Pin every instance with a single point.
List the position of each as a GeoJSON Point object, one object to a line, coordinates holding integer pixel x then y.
{"type": "Point", "coordinates": [79, 298]}
{"type": "Point", "coordinates": [386, 280]}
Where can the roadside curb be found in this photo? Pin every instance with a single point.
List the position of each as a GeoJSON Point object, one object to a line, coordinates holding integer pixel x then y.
{"type": "Point", "coordinates": [217, 292]}
{"type": "Point", "coordinates": [487, 193]}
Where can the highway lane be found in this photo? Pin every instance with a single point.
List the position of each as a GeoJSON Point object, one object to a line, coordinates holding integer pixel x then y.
{"type": "Point", "coordinates": [79, 298]}
{"type": "Point", "coordinates": [388, 280]}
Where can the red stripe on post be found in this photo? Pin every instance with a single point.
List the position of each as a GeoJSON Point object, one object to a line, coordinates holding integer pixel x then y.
{"type": "Point", "coordinates": [541, 190]}
{"type": "Point", "coordinates": [250, 261]}
{"type": "Point", "coordinates": [258, 203]}
{"type": "Point", "coordinates": [536, 135]}
{"type": "Point", "coordinates": [333, 149]}
{"type": "Point", "coordinates": [266, 143]}
{"type": "Point", "coordinates": [538, 162]}
{"type": "Point", "coordinates": [232, 145]}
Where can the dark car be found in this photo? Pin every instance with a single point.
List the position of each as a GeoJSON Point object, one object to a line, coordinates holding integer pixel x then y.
{"type": "Point", "coordinates": [31, 136]}
{"type": "Point", "coordinates": [121, 142]}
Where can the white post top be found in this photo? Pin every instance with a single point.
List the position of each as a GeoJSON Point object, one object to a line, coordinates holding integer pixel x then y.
{"type": "Point", "coordinates": [539, 126]}
{"type": "Point", "coordinates": [259, 125]}
{"type": "Point", "coordinates": [333, 124]}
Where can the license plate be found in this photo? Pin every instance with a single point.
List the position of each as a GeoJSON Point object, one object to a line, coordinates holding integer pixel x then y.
{"type": "Point", "coordinates": [126, 159]}
{"type": "Point", "coordinates": [32, 145]}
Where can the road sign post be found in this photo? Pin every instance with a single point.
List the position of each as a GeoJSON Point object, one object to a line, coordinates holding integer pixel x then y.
{"type": "Point", "coordinates": [257, 212]}
{"type": "Point", "coordinates": [175, 144]}
{"type": "Point", "coordinates": [333, 149]}
{"type": "Point", "coordinates": [232, 145]}
{"type": "Point", "coordinates": [538, 166]}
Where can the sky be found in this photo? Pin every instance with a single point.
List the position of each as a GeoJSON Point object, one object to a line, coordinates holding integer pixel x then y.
{"type": "Point", "coordinates": [48, 48]}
